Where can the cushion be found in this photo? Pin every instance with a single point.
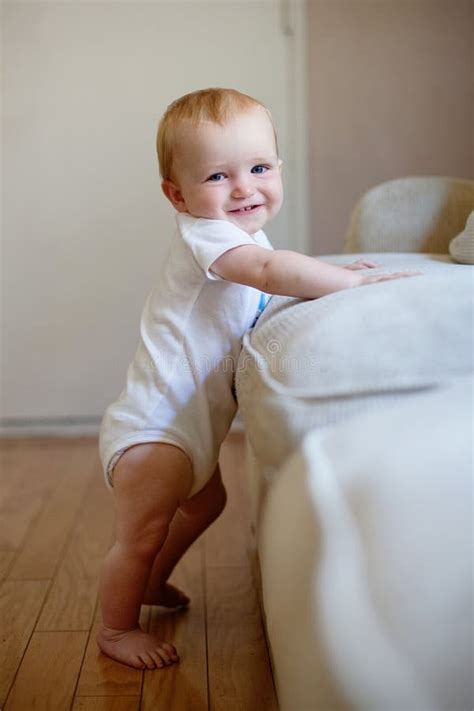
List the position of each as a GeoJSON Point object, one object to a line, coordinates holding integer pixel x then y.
{"type": "Point", "coordinates": [461, 248]}
{"type": "Point", "coordinates": [319, 362]}
{"type": "Point", "coordinates": [413, 214]}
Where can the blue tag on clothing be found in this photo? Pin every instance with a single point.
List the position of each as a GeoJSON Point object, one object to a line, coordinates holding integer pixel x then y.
{"type": "Point", "coordinates": [261, 305]}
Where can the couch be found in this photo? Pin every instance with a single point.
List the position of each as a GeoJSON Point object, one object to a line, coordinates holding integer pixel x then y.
{"type": "Point", "coordinates": [357, 409]}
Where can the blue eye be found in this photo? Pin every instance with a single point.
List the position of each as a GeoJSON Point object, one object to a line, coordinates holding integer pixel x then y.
{"type": "Point", "coordinates": [216, 178]}
{"type": "Point", "coordinates": [259, 169]}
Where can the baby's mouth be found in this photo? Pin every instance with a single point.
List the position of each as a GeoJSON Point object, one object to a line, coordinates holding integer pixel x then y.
{"type": "Point", "coordinates": [243, 210]}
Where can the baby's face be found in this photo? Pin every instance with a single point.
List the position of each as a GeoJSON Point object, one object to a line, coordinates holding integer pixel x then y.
{"type": "Point", "coordinates": [229, 172]}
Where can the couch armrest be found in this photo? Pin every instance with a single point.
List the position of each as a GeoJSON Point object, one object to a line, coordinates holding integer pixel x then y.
{"type": "Point", "coordinates": [414, 214]}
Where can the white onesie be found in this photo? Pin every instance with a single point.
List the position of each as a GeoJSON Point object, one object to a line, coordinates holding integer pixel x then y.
{"type": "Point", "coordinates": [179, 387]}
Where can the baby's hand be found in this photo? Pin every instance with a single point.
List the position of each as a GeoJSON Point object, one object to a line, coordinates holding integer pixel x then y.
{"type": "Point", "coordinates": [364, 280]}
{"type": "Point", "coordinates": [362, 264]}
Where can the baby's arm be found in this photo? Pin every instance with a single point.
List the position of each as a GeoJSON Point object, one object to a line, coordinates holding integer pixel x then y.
{"type": "Point", "coordinates": [290, 273]}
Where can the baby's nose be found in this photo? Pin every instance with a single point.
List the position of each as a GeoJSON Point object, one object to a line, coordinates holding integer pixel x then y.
{"type": "Point", "coordinates": [242, 190]}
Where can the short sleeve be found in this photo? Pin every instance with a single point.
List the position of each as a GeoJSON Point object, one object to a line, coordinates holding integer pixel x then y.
{"type": "Point", "coordinates": [209, 239]}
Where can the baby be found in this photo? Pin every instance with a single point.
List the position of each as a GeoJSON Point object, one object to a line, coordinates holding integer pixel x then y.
{"type": "Point", "coordinates": [159, 442]}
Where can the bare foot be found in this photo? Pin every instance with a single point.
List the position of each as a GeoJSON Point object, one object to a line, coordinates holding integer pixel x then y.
{"type": "Point", "coordinates": [167, 595]}
{"type": "Point", "coordinates": [136, 648]}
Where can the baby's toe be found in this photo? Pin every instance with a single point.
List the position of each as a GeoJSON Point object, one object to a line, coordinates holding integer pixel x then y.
{"type": "Point", "coordinates": [147, 660]}
{"type": "Point", "coordinates": [170, 650]}
{"type": "Point", "coordinates": [164, 654]}
{"type": "Point", "coordinates": [138, 663]}
{"type": "Point", "coordinates": [157, 659]}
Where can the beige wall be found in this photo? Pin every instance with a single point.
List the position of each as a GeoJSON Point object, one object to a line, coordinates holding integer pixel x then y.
{"type": "Point", "coordinates": [390, 95]}
{"type": "Point", "coordinates": [84, 224]}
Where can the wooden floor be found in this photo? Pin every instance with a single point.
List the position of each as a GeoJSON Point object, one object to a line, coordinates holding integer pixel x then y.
{"type": "Point", "coordinates": [56, 525]}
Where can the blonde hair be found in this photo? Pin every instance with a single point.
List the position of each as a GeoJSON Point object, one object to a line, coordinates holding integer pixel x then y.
{"type": "Point", "coordinates": [216, 105]}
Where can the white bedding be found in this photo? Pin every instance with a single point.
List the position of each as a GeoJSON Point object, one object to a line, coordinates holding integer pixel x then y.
{"type": "Point", "coordinates": [317, 363]}
{"type": "Point", "coordinates": [365, 547]}
{"type": "Point", "coordinates": [363, 536]}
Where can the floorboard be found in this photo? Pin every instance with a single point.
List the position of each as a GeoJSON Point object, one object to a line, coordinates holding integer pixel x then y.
{"type": "Point", "coordinates": [56, 524]}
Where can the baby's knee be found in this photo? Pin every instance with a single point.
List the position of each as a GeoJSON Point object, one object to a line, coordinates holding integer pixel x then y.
{"type": "Point", "coordinates": [154, 464]}
{"type": "Point", "coordinates": [209, 502]}
{"type": "Point", "coordinates": [149, 486]}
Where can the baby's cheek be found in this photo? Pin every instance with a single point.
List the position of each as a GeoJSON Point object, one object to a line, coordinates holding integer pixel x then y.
{"type": "Point", "coordinates": [275, 191]}
{"type": "Point", "coordinates": [209, 203]}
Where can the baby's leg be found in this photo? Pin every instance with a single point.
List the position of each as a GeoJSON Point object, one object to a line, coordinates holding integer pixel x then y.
{"type": "Point", "coordinates": [151, 481]}
{"type": "Point", "coordinates": [191, 519]}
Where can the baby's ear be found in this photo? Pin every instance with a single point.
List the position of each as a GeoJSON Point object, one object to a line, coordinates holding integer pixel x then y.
{"type": "Point", "coordinates": [174, 195]}
{"type": "Point", "coordinates": [280, 163]}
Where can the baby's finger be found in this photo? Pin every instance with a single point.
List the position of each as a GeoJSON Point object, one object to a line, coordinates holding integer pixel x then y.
{"type": "Point", "coordinates": [369, 264]}
{"type": "Point", "coordinates": [399, 275]}
{"type": "Point", "coordinates": [363, 264]}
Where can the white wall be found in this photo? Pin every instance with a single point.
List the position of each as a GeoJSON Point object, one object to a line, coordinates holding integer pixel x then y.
{"type": "Point", "coordinates": [84, 224]}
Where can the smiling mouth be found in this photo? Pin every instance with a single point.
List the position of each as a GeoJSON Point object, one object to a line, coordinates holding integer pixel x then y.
{"type": "Point", "coordinates": [244, 210]}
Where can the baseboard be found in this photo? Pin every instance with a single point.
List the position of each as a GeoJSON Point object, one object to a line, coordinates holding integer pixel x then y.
{"type": "Point", "coordinates": [67, 427]}
{"type": "Point", "coordinates": [70, 427]}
